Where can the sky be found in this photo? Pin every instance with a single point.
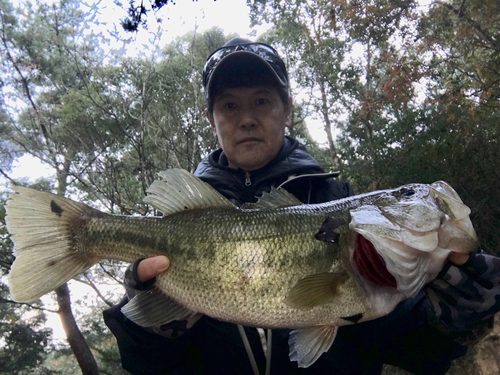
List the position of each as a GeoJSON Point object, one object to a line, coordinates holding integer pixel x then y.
{"type": "Point", "coordinates": [186, 15]}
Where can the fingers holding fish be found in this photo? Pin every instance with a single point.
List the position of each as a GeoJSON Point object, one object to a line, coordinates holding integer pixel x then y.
{"type": "Point", "coordinates": [149, 268]}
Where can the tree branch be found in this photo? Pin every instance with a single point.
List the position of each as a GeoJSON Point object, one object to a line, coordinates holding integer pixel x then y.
{"type": "Point", "coordinates": [461, 14]}
{"type": "Point", "coordinates": [98, 292]}
{"type": "Point", "coordinates": [14, 182]}
{"type": "Point", "coordinates": [110, 274]}
{"type": "Point", "coordinates": [5, 300]}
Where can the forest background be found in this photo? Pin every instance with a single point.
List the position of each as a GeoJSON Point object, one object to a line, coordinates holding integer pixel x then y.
{"type": "Point", "coordinates": [403, 92]}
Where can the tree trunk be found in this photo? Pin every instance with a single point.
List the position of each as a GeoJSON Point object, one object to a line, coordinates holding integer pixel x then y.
{"type": "Point", "coordinates": [76, 341]}
{"type": "Point", "coordinates": [75, 338]}
{"type": "Point", "coordinates": [328, 127]}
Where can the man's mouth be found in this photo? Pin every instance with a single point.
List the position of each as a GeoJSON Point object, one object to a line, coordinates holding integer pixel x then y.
{"type": "Point", "coordinates": [249, 139]}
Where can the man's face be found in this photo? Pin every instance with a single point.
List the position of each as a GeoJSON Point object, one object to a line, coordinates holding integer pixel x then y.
{"type": "Point", "coordinates": [249, 123]}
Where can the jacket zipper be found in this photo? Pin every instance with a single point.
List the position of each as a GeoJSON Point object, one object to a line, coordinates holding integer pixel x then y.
{"type": "Point", "coordinates": [249, 194]}
{"type": "Point", "coordinates": [248, 181]}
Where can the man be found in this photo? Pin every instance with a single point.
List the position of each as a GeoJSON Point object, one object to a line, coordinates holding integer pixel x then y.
{"type": "Point", "coordinates": [247, 90]}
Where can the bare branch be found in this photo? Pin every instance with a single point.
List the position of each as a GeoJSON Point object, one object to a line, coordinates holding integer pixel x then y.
{"type": "Point", "coordinates": [98, 292]}
{"type": "Point", "coordinates": [110, 274]}
{"type": "Point", "coordinates": [5, 300]}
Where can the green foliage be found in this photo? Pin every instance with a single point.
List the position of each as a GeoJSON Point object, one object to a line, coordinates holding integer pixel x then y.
{"type": "Point", "coordinates": [314, 54]}
{"type": "Point", "coordinates": [103, 343]}
{"type": "Point", "coordinates": [24, 340]}
{"type": "Point", "coordinates": [106, 126]}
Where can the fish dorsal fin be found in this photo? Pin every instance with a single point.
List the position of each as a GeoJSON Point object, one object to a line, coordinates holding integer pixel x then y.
{"type": "Point", "coordinates": [276, 198]}
{"type": "Point", "coordinates": [178, 190]}
{"type": "Point", "coordinates": [314, 290]}
{"type": "Point", "coordinates": [307, 344]}
{"type": "Point", "coordinates": [154, 308]}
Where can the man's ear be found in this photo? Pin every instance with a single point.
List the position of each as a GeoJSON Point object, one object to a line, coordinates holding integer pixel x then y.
{"type": "Point", "coordinates": [288, 113]}
{"type": "Point", "coordinates": [210, 118]}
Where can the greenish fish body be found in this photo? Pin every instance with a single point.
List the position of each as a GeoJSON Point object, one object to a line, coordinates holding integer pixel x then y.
{"type": "Point", "coordinates": [278, 264]}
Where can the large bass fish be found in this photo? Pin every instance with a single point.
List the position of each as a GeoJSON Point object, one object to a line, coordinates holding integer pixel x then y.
{"type": "Point", "coordinates": [277, 264]}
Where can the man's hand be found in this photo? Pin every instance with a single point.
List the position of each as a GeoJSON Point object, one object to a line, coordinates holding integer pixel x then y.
{"type": "Point", "coordinates": [149, 268]}
{"type": "Point", "coordinates": [458, 259]}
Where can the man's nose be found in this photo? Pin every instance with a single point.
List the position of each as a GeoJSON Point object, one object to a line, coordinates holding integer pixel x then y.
{"type": "Point", "coordinates": [248, 119]}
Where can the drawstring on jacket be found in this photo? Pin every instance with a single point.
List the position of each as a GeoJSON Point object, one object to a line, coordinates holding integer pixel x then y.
{"type": "Point", "coordinates": [248, 348]}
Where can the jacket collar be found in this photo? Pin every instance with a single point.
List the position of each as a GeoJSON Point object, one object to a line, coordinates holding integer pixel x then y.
{"type": "Point", "coordinates": [292, 160]}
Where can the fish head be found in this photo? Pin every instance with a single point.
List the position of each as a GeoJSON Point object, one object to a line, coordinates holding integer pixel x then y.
{"type": "Point", "coordinates": [401, 239]}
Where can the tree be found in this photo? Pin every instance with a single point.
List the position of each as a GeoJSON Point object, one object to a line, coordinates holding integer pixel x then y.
{"type": "Point", "coordinates": [460, 41]}
{"type": "Point", "coordinates": [137, 14]}
{"type": "Point", "coordinates": [355, 95]}
{"type": "Point", "coordinates": [314, 55]}
{"type": "Point", "coordinates": [40, 67]}
{"type": "Point", "coordinates": [419, 100]}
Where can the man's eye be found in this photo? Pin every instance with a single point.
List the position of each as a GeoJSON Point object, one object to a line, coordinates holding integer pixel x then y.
{"type": "Point", "coordinates": [262, 101]}
{"type": "Point", "coordinates": [230, 105]}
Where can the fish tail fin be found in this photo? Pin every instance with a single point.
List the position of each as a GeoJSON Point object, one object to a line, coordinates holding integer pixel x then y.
{"type": "Point", "coordinates": [42, 225]}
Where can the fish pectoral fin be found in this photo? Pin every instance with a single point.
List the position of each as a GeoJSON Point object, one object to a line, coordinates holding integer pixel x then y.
{"type": "Point", "coordinates": [154, 308]}
{"type": "Point", "coordinates": [178, 190]}
{"type": "Point", "coordinates": [314, 290]}
{"type": "Point", "coordinates": [307, 344]}
{"type": "Point", "coordinates": [276, 198]}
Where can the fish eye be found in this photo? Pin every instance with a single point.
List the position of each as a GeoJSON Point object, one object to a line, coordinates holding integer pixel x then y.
{"type": "Point", "coordinates": [407, 192]}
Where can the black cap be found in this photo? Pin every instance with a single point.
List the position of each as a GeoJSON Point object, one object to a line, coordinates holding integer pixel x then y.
{"type": "Point", "coordinates": [241, 57]}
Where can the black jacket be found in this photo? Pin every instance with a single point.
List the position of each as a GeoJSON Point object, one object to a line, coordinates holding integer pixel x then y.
{"type": "Point", "coordinates": [405, 338]}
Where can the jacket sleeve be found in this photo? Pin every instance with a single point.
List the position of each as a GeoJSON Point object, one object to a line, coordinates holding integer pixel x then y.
{"type": "Point", "coordinates": [143, 352]}
{"type": "Point", "coordinates": [155, 350]}
{"type": "Point", "coordinates": [463, 299]}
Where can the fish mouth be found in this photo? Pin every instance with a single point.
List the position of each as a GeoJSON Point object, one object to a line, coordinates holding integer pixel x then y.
{"type": "Point", "coordinates": [370, 265]}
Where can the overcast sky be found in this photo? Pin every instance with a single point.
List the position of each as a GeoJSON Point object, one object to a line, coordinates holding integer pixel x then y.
{"type": "Point", "coordinates": [177, 19]}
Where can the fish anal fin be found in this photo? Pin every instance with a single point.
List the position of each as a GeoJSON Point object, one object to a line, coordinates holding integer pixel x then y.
{"type": "Point", "coordinates": [314, 290]}
{"type": "Point", "coordinates": [327, 231]}
{"type": "Point", "coordinates": [154, 308]}
{"type": "Point", "coordinates": [178, 190]}
{"type": "Point", "coordinates": [307, 344]}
